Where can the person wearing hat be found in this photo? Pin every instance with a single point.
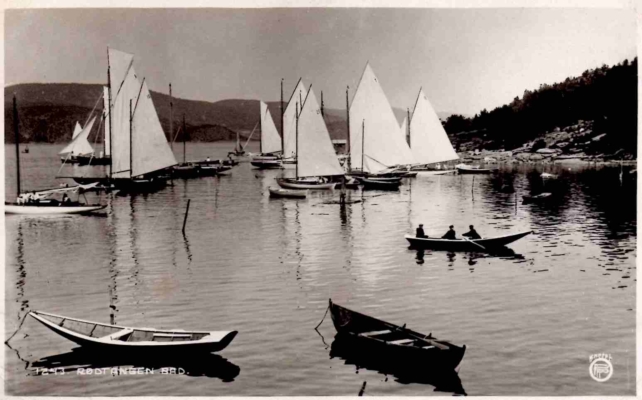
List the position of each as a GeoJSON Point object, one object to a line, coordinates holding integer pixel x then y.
{"type": "Point", "coordinates": [420, 231]}
{"type": "Point", "coordinates": [472, 233]}
{"type": "Point", "coordinates": [450, 234]}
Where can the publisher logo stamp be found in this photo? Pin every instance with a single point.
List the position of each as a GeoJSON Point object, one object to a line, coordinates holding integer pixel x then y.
{"type": "Point", "coordinates": [601, 368]}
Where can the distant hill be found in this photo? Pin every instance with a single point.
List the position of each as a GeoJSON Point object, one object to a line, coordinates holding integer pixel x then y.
{"type": "Point", "coordinates": [48, 113]}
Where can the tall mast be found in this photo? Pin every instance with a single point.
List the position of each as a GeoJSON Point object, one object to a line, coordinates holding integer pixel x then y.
{"type": "Point", "coordinates": [348, 124]}
{"type": "Point", "coordinates": [111, 153]}
{"type": "Point", "coordinates": [363, 134]}
{"type": "Point", "coordinates": [131, 152]}
{"type": "Point", "coordinates": [297, 140]}
{"type": "Point", "coordinates": [262, 133]}
{"type": "Point", "coordinates": [184, 138]}
{"type": "Point", "coordinates": [171, 118]}
{"type": "Point", "coordinates": [282, 129]}
{"type": "Point", "coordinates": [408, 128]}
{"type": "Point", "coordinates": [15, 128]}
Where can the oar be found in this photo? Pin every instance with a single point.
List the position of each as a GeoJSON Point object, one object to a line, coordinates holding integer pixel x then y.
{"type": "Point", "coordinates": [476, 244]}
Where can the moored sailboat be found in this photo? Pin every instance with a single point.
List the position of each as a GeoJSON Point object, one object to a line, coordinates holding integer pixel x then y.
{"type": "Point", "coordinates": [41, 202]}
{"type": "Point", "coordinates": [316, 159]}
{"type": "Point", "coordinates": [289, 123]}
{"type": "Point", "coordinates": [270, 142]}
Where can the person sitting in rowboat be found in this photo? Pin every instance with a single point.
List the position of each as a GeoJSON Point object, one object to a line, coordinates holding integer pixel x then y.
{"type": "Point", "coordinates": [450, 234]}
{"type": "Point", "coordinates": [420, 231]}
{"type": "Point", "coordinates": [472, 233]}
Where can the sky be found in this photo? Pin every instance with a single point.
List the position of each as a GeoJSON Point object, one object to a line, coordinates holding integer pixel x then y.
{"type": "Point", "coordinates": [466, 60]}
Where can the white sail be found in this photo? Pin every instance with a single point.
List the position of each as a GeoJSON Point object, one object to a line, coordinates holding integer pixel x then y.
{"type": "Point", "coordinates": [77, 130]}
{"type": "Point", "coordinates": [428, 139]}
{"type": "Point", "coordinates": [151, 152]}
{"type": "Point", "coordinates": [289, 120]}
{"type": "Point", "coordinates": [270, 139]}
{"type": "Point", "coordinates": [316, 155]}
{"type": "Point", "coordinates": [119, 64]}
{"type": "Point", "coordinates": [383, 143]}
{"type": "Point", "coordinates": [80, 145]}
{"type": "Point", "coordinates": [404, 129]}
{"type": "Point", "coordinates": [106, 119]}
{"type": "Point", "coordinates": [120, 128]}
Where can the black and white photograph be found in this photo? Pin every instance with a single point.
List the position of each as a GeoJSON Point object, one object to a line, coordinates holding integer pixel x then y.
{"type": "Point", "coordinates": [279, 199]}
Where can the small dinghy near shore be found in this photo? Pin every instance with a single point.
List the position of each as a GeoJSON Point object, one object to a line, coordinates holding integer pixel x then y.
{"type": "Point", "coordinates": [476, 245]}
{"type": "Point", "coordinates": [287, 193]}
{"type": "Point", "coordinates": [115, 338]}
{"type": "Point", "coordinates": [383, 336]}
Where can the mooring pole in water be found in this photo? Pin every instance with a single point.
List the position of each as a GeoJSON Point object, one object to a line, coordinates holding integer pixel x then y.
{"type": "Point", "coordinates": [472, 189]}
{"type": "Point", "coordinates": [186, 212]}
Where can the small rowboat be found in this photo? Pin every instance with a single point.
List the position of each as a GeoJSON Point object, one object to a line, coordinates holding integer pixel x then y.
{"type": "Point", "coordinates": [112, 337]}
{"type": "Point", "coordinates": [288, 193]}
{"type": "Point", "coordinates": [472, 169]}
{"type": "Point", "coordinates": [380, 184]}
{"type": "Point", "coordinates": [537, 198]}
{"type": "Point", "coordinates": [47, 208]}
{"type": "Point", "coordinates": [437, 172]}
{"type": "Point", "coordinates": [476, 245]}
{"type": "Point", "coordinates": [383, 336]}
{"type": "Point", "coordinates": [305, 184]}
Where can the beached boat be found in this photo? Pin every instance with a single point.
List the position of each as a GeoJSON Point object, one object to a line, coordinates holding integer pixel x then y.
{"type": "Point", "coordinates": [269, 156]}
{"type": "Point", "coordinates": [115, 338]}
{"type": "Point", "coordinates": [536, 198]}
{"type": "Point", "coordinates": [476, 245]}
{"type": "Point", "coordinates": [471, 169]}
{"type": "Point", "coordinates": [288, 193]}
{"type": "Point", "coordinates": [316, 159]}
{"type": "Point", "coordinates": [386, 337]}
{"type": "Point", "coordinates": [40, 202]}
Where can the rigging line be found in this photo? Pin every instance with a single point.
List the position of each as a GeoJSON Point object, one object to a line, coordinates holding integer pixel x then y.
{"type": "Point", "coordinates": [93, 109]}
{"type": "Point", "coordinates": [129, 67]}
{"type": "Point", "coordinates": [322, 319]}
{"type": "Point", "coordinates": [375, 160]}
{"type": "Point", "coordinates": [138, 97]}
{"type": "Point", "coordinates": [175, 136]}
{"type": "Point", "coordinates": [24, 318]}
{"type": "Point", "coordinates": [250, 137]}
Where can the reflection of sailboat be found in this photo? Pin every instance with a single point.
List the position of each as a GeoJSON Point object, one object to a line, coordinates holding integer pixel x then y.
{"type": "Point", "coordinates": [384, 147]}
{"type": "Point", "coordinates": [270, 142]}
{"type": "Point", "coordinates": [41, 203]}
{"type": "Point", "coordinates": [316, 158]}
{"type": "Point", "coordinates": [428, 140]}
{"type": "Point", "coordinates": [139, 150]}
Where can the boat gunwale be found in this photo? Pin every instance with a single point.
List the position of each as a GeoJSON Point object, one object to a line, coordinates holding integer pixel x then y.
{"type": "Point", "coordinates": [441, 240]}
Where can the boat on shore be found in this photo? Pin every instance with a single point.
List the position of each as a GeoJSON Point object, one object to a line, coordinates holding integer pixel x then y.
{"type": "Point", "coordinates": [471, 169]}
{"type": "Point", "coordinates": [110, 337]}
{"type": "Point", "coordinates": [287, 193]}
{"type": "Point", "coordinates": [468, 245]}
{"type": "Point", "coordinates": [382, 336]}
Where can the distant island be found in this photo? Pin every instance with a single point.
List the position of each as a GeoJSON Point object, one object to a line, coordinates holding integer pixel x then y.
{"type": "Point", "coordinates": [589, 114]}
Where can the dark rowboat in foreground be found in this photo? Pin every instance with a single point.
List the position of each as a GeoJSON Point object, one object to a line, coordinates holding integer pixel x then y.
{"type": "Point", "coordinates": [390, 339]}
{"type": "Point", "coordinates": [114, 338]}
{"type": "Point", "coordinates": [380, 183]}
{"type": "Point", "coordinates": [537, 198]}
{"type": "Point", "coordinates": [478, 245]}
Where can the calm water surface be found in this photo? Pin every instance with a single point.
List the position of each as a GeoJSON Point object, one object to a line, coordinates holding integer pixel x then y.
{"type": "Point", "coordinates": [267, 268]}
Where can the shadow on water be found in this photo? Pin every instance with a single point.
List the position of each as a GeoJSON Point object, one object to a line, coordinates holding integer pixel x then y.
{"type": "Point", "coordinates": [81, 359]}
{"type": "Point", "coordinates": [501, 252]}
{"type": "Point", "coordinates": [404, 371]}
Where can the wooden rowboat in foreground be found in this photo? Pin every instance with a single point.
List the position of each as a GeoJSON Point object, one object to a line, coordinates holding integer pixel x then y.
{"type": "Point", "coordinates": [407, 345]}
{"type": "Point", "coordinates": [478, 245]}
{"type": "Point", "coordinates": [113, 337]}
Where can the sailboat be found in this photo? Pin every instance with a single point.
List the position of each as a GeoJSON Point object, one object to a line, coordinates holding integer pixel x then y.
{"type": "Point", "coordinates": [379, 142]}
{"type": "Point", "coordinates": [270, 142]}
{"type": "Point", "coordinates": [41, 202]}
{"type": "Point", "coordinates": [239, 150]}
{"type": "Point", "coordinates": [289, 123]}
{"type": "Point", "coordinates": [140, 154]}
{"type": "Point", "coordinates": [79, 145]}
{"type": "Point", "coordinates": [185, 169]}
{"type": "Point", "coordinates": [104, 157]}
{"type": "Point", "coordinates": [429, 142]}
{"type": "Point", "coordinates": [316, 158]}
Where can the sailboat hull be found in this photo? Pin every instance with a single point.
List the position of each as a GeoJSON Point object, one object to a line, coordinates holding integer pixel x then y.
{"type": "Point", "coordinates": [34, 209]}
{"type": "Point", "coordinates": [304, 185]}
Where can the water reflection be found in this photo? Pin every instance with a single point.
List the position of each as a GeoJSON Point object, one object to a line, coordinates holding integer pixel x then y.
{"type": "Point", "coordinates": [404, 371]}
{"type": "Point", "coordinates": [81, 359]}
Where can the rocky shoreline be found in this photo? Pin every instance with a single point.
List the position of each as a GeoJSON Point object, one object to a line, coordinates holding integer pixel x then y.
{"type": "Point", "coordinates": [573, 144]}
